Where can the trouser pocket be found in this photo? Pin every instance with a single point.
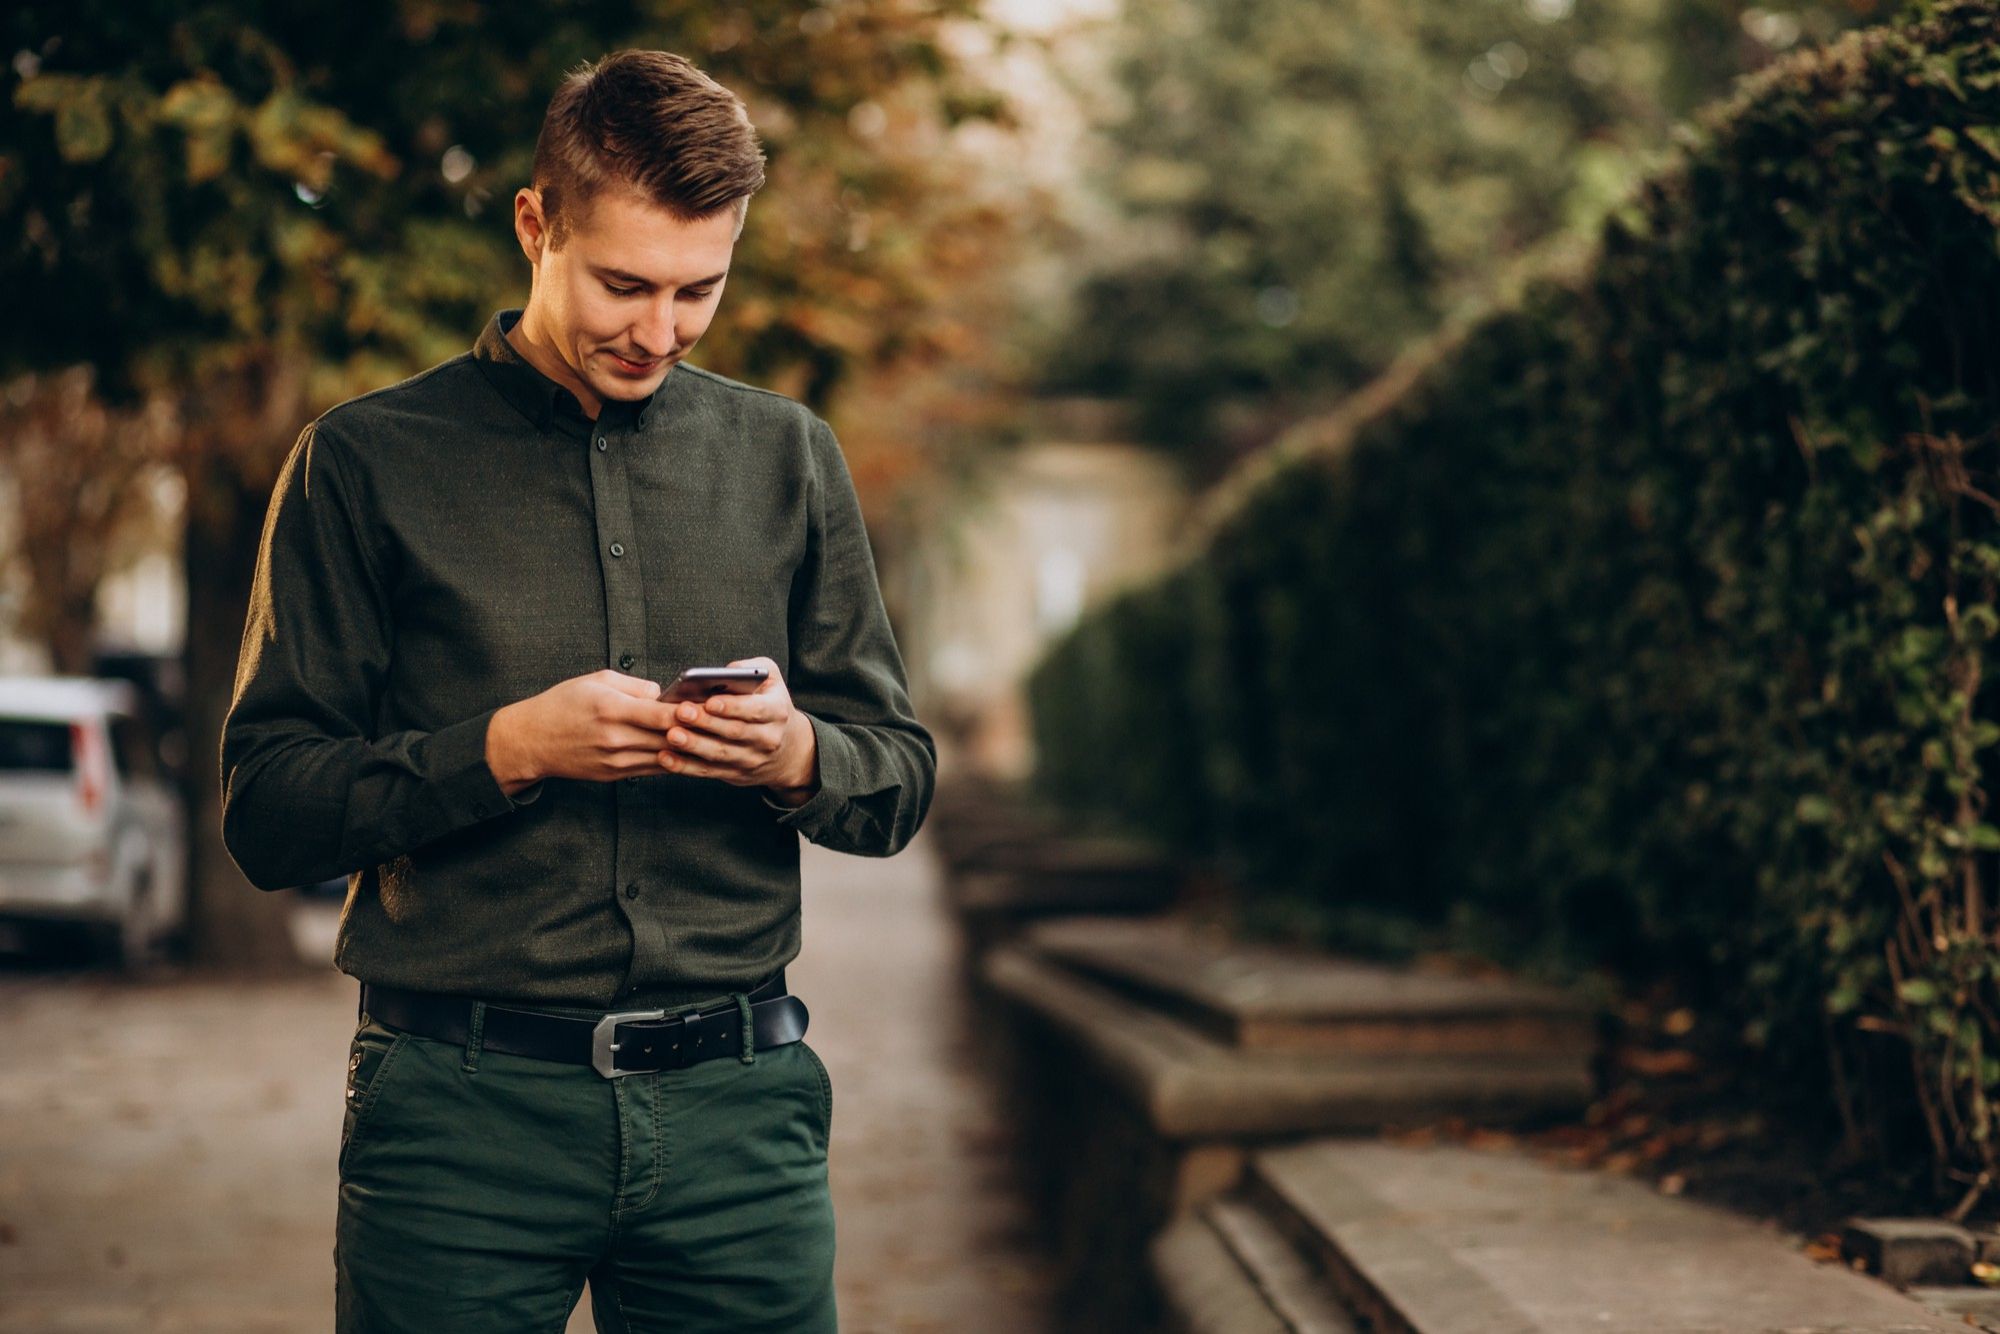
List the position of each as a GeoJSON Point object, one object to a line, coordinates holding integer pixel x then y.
{"type": "Point", "coordinates": [371, 1057]}
{"type": "Point", "coordinates": [825, 1089]}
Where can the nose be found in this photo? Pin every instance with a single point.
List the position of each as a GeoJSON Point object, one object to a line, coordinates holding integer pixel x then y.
{"type": "Point", "coordinates": [654, 333]}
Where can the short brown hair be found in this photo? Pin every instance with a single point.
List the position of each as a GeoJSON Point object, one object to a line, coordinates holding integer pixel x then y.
{"type": "Point", "coordinates": [650, 121]}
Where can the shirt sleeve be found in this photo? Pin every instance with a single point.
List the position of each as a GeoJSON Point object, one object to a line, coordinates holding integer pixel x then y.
{"type": "Point", "coordinates": [308, 793]}
{"type": "Point", "coordinates": [877, 763]}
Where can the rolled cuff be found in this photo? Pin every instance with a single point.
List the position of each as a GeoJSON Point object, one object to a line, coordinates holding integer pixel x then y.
{"type": "Point", "coordinates": [839, 768]}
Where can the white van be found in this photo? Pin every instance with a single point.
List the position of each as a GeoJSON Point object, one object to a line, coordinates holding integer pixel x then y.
{"type": "Point", "coordinates": [91, 833]}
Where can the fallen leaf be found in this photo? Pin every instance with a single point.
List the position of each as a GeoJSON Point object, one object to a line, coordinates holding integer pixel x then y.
{"type": "Point", "coordinates": [1671, 1062]}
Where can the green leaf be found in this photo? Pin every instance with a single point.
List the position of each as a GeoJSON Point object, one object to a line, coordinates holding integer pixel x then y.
{"type": "Point", "coordinates": [1916, 991]}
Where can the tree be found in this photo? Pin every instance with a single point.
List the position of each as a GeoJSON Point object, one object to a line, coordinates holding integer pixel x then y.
{"type": "Point", "coordinates": [1303, 189]}
{"type": "Point", "coordinates": [253, 212]}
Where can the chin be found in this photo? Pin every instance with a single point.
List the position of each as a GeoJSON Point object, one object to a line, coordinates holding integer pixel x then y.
{"type": "Point", "coordinates": [619, 386]}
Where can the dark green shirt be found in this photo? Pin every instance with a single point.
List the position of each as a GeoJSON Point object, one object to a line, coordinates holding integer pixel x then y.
{"type": "Point", "coordinates": [467, 538]}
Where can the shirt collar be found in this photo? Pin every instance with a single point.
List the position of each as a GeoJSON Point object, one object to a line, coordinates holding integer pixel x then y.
{"type": "Point", "coordinates": [548, 405]}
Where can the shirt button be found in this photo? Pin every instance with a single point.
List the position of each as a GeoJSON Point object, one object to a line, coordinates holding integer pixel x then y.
{"type": "Point", "coordinates": [632, 890]}
{"type": "Point", "coordinates": [617, 548]}
{"type": "Point", "coordinates": [602, 444]}
{"type": "Point", "coordinates": [625, 661]}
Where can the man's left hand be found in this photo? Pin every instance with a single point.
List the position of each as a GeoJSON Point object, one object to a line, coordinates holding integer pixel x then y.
{"type": "Point", "coordinates": [753, 740]}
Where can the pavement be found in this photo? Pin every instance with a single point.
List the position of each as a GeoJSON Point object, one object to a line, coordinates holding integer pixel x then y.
{"type": "Point", "coordinates": [167, 1145]}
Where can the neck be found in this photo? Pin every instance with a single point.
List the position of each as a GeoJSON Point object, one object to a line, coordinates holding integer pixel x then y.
{"type": "Point", "coordinates": [530, 339]}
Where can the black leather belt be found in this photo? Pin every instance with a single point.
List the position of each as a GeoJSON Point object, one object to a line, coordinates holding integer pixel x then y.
{"type": "Point", "coordinates": [620, 1042]}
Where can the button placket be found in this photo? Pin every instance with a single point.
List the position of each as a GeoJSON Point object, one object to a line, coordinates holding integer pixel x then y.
{"type": "Point", "coordinates": [621, 564]}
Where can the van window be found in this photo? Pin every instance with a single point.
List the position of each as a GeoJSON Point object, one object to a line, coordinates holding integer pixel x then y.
{"type": "Point", "coordinates": [34, 744]}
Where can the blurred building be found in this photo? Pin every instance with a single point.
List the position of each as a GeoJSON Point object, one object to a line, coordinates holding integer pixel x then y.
{"type": "Point", "coordinates": [1051, 528]}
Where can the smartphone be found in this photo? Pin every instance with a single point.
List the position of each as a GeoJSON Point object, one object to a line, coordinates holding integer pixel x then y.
{"type": "Point", "coordinates": [701, 682]}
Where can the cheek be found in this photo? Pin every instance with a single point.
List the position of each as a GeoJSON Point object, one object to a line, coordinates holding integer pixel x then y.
{"type": "Point", "coordinates": [695, 322]}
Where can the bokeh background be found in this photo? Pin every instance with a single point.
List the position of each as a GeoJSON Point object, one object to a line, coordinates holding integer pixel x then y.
{"type": "Point", "coordinates": [1510, 478]}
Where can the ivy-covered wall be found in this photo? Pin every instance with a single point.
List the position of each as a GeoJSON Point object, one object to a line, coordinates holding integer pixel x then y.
{"type": "Point", "coordinates": [1646, 631]}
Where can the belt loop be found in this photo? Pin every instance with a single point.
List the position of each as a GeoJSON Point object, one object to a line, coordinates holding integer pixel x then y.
{"type": "Point", "coordinates": [476, 1039]}
{"type": "Point", "coordinates": [749, 1052]}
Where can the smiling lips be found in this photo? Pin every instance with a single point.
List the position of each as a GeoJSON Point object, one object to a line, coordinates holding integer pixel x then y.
{"type": "Point", "coordinates": [635, 365]}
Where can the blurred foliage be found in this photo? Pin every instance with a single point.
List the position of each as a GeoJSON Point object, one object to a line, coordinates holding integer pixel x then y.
{"type": "Point", "coordinates": [1643, 631]}
{"type": "Point", "coordinates": [194, 195]}
{"type": "Point", "coordinates": [85, 482]}
{"type": "Point", "coordinates": [1307, 187]}
{"type": "Point", "coordinates": [238, 214]}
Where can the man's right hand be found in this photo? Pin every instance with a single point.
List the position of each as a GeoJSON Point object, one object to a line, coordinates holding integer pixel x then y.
{"type": "Point", "coordinates": [598, 727]}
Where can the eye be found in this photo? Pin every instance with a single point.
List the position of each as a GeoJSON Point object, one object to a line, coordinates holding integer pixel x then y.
{"type": "Point", "coordinates": [698, 293]}
{"type": "Point", "coordinates": [619, 291]}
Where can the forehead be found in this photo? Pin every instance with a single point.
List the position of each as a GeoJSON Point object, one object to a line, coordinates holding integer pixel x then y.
{"type": "Point", "coordinates": [625, 230]}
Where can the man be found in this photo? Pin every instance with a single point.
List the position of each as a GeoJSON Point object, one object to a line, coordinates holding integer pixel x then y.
{"type": "Point", "coordinates": [470, 586]}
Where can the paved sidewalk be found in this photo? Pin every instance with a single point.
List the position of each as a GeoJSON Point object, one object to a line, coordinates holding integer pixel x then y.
{"type": "Point", "coordinates": [148, 1186]}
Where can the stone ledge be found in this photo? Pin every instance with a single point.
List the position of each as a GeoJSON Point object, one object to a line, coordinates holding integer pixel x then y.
{"type": "Point", "coordinates": [1205, 1288]}
{"type": "Point", "coordinates": [1292, 1286]}
{"type": "Point", "coordinates": [1911, 1251]}
{"type": "Point", "coordinates": [1188, 1085]}
{"type": "Point", "coordinates": [1272, 997]}
{"type": "Point", "coordinates": [1093, 891]}
{"type": "Point", "coordinates": [1449, 1240]}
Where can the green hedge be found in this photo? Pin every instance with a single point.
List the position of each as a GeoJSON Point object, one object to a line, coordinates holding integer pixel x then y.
{"type": "Point", "coordinates": [1644, 632]}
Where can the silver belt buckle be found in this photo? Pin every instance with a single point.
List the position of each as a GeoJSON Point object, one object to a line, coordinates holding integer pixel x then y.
{"type": "Point", "coordinates": [602, 1047]}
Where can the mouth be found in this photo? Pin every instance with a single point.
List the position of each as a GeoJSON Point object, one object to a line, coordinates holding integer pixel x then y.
{"type": "Point", "coordinates": [634, 367]}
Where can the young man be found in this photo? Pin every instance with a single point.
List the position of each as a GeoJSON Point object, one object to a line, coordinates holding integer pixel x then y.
{"type": "Point", "coordinates": [571, 902]}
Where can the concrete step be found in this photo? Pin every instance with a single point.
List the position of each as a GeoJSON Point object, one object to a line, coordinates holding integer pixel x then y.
{"type": "Point", "coordinates": [1280, 998]}
{"type": "Point", "coordinates": [1190, 1085]}
{"type": "Point", "coordinates": [1204, 1287]}
{"type": "Point", "coordinates": [1229, 1270]}
{"type": "Point", "coordinates": [1450, 1240]}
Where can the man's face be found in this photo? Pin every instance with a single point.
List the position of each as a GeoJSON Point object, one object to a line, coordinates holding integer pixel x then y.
{"type": "Point", "coordinates": [630, 292]}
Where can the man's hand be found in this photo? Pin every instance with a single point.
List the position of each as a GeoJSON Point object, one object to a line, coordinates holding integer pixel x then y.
{"type": "Point", "coordinates": [753, 740]}
{"type": "Point", "coordinates": [609, 725]}
{"type": "Point", "coordinates": [598, 727]}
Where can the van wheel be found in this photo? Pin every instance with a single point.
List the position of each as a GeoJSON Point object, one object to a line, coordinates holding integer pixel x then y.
{"type": "Point", "coordinates": [136, 943]}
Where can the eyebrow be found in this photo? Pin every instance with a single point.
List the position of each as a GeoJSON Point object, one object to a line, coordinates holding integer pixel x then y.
{"type": "Point", "coordinates": [625, 277]}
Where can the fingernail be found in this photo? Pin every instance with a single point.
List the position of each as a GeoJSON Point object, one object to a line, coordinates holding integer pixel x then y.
{"type": "Point", "coordinates": [687, 710]}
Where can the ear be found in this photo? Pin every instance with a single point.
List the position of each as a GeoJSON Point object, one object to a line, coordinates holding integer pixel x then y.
{"type": "Point", "coordinates": [530, 226]}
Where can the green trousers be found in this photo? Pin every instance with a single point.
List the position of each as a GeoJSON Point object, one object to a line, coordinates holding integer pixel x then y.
{"type": "Point", "coordinates": [479, 1191]}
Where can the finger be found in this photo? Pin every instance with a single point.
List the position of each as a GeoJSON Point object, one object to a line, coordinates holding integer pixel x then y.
{"type": "Point", "coordinates": [713, 750]}
{"type": "Point", "coordinates": [625, 683]}
{"type": "Point", "coordinates": [654, 715]}
{"type": "Point", "coordinates": [697, 718]}
{"type": "Point", "coordinates": [619, 738]}
{"type": "Point", "coordinates": [757, 708]}
{"type": "Point", "coordinates": [674, 762]}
